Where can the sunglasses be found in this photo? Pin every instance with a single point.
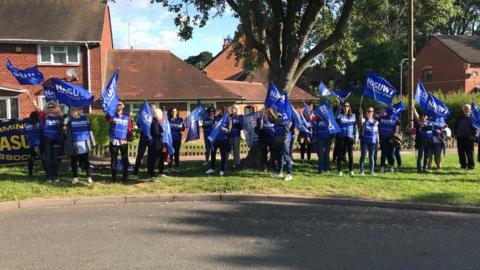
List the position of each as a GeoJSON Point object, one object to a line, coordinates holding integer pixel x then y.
{"type": "Point", "coordinates": [369, 111]}
{"type": "Point", "coordinates": [346, 106]}
{"type": "Point", "coordinates": [51, 107]}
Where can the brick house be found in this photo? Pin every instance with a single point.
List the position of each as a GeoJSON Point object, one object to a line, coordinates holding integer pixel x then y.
{"type": "Point", "coordinates": [450, 63]}
{"type": "Point", "coordinates": [67, 39]}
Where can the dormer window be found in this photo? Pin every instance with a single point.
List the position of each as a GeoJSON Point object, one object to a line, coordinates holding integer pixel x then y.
{"type": "Point", "coordinates": [58, 55]}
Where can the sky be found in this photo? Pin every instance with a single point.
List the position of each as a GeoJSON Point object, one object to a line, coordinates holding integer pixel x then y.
{"type": "Point", "coordinates": [152, 27]}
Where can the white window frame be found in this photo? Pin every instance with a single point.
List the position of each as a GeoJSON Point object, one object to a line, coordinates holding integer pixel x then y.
{"type": "Point", "coordinates": [41, 102]}
{"type": "Point", "coordinates": [9, 108]}
{"type": "Point", "coordinates": [65, 47]}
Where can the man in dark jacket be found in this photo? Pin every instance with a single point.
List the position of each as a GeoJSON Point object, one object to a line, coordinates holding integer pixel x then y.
{"type": "Point", "coordinates": [465, 134]}
{"type": "Point", "coordinates": [155, 149]}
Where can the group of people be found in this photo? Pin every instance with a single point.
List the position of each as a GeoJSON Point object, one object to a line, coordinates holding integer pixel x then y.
{"type": "Point", "coordinates": [48, 131]}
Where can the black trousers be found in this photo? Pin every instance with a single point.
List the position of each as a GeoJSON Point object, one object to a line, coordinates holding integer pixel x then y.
{"type": "Point", "coordinates": [84, 161]}
{"type": "Point", "coordinates": [176, 156]}
{"type": "Point", "coordinates": [465, 152]}
{"type": "Point", "coordinates": [142, 147]}
{"type": "Point", "coordinates": [114, 149]}
{"type": "Point", "coordinates": [155, 155]}
{"type": "Point", "coordinates": [305, 148]}
{"type": "Point", "coordinates": [52, 150]}
{"type": "Point", "coordinates": [223, 146]}
{"type": "Point", "coordinates": [31, 160]}
{"type": "Point", "coordinates": [344, 145]}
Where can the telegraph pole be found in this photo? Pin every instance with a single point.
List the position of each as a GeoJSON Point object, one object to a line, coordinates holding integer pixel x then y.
{"type": "Point", "coordinates": [411, 83]}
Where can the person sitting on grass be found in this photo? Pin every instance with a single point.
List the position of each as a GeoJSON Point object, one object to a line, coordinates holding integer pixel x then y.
{"type": "Point", "coordinates": [82, 142]}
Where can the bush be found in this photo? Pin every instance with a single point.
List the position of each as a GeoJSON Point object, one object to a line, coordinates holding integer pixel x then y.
{"type": "Point", "coordinates": [100, 128]}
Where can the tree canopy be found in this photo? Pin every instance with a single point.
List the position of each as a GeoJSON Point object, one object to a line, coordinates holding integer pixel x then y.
{"type": "Point", "coordinates": [199, 61]}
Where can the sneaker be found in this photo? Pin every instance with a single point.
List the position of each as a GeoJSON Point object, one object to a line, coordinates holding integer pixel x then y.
{"type": "Point", "coordinates": [362, 173]}
{"type": "Point", "coordinates": [49, 181]}
{"type": "Point", "coordinates": [222, 173]}
{"type": "Point", "coordinates": [56, 180]}
{"type": "Point", "coordinates": [382, 169]}
{"type": "Point", "coordinates": [288, 177]}
{"type": "Point", "coordinates": [373, 173]}
{"type": "Point", "coordinates": [210, 171]}
{"type": "Point", "coordinates": [75, 180]}
{"type": "Point", "coordinates": [177, 170]}
{"type": "Point", "coordinates": [205, 163]}
{"type": "Point", "coordinates": [89, 180]}
{"type": "Point", "coordinates": [392, 169]}
{"type": "Point", "coordinates": [234, 166]}
{"type": "Point", "coordinates": [340, 173]}
{"type": "Point", "coordinates": [163, 175]}
{"type": "Point", "coordinates": [279, 175]}
{"type": "Point", "coordinates": [351, 173]}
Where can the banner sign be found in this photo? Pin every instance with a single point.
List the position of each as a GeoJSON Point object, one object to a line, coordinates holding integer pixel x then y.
{"type": "Point", "coordinates": [13, 142]}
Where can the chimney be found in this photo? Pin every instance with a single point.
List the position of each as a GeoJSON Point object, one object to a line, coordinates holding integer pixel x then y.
{"type": "Point", "coordinates": [226, 42]}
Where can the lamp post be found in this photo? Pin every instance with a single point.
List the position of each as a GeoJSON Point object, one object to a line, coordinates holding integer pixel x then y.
{"type": "Point", "coordinates": [411, 84]}
{"type": "Point", "coordinates": [401, 77]}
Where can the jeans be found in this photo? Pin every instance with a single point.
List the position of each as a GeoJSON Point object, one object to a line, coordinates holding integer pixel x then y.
{"type": "Point", "coordinates": [370, 148]}
{"type": "Point", "coordinates": [465, 152]}
{"type": "Point", "coordinates": [344, 145]}
{"type": "Point", "coordinates": [424, 147]}
{"type": "Point", "coordinates": [208, 149]}
{"type": "Point", "coordinates": [84, 161]}
{"type": "Point", "coordinates": [235, 144]}
{"type": "Point", "coordinates": [114, 149]}
{"type": "Point", "coordinates": [323, 153]}
{"type": "Point", "coordinates": [283, 157]}
{"type": "Point", "coordinates": [223, 146]}
{"type": "Point", "coordinates": [176, 156]}
{"type": "Point", "coordinates": [52, 150]}
{"type": "Point", "coordinates": [387, 151]}
{"type": "Point", "coordinates": [142, 147]}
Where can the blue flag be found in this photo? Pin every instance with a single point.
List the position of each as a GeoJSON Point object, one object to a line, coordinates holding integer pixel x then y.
{"type": "Point", "coordinates": [202, 111]}
{"type": "Point", "coordinates": [167, 135]}
{"type": "Point", "coordinates": [299, 121]}
{"type": "Point", "coordinates": [145, 118]}
{"type": "Point", "coordinates": [218, 127]}
{"type": "Point", "coordinates": [325, 111]}
{"type": "Point", "coordinates": [430, 105]}
{"type": "Point", "coordinates": [192, 123]}
{"type": "Point", "coordinates": [323, 91]}
{"type": "Point", "coordinates": [283, 107]}
{"type": "Point", "coordinates": [71, 95]}
{"type": "Point", "coordinates": [50, 93]}
{"type": "Point", "coordinates": [475, 116]}
{"type": "Point", "coordinates": [110, 95]}
{"type": "Point", "coordinates": [248, 127]}
{"type": "Point", "coordinates": [379, 89]}
{"type": "Point", "coordinates": [342, 94]}
{"type": "Point", "coordinates": [29, 76]}
{"type": "Point", "coordinates": [396, 109]}
{"type": "Point", "coordinates": [306, 110]}
{"type": "Point", "coordinates": [273, 95]}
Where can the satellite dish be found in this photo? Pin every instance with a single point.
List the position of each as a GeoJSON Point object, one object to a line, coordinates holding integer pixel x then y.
{"type": "Point", "coordinates": [72, 73]}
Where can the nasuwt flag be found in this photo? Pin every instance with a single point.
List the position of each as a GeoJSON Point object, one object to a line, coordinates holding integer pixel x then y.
{"type": "Point", "coordinates": [50, 93]}
{"type": "Point", "coordinates": [192, 123]}
{"type": "Point", "coordinates": [28, 76]}
{"type": "Point", "coordinates": [202, 111]}
{"type": "Point", "coordinates": [283, 107]}
{"type": "Point", "coordinates": [396, 108]}
{"type": "Point", "coordinates": [248, 127]}
{"type": "Point", "coordinates": [379, 89]}
{"type": "Point", "coordinates": [110, 95]}
{"type": "Point", "coordinates": [273, 95]}
{"type": "Point", "coordinates": [430, 105]}
{"type": "Point", "coordinates": [71, 95]}
{"type": "Point", "coordinates": [323, 91]}
{"type": "Point", "coordinates": [325, 111]}
{"type": "Point", "coordinates": [475, 115]}
{"type": "Point", "coordinates": [144, 119]}
{"type": "Point", "coordinates": [299, 121]}
{"type": "Point", "coordinates": [306, 110]}
{"type": "Point", "coordinates": [218, 127]}
{"type": "Point", "coordinates": [342, 94]}
{"type": "Point", "coordinates": [167, 135]}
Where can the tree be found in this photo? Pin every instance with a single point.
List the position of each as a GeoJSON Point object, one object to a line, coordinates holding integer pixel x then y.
{"type": "Point", "coordinates": [466, 19]}
{"type": "Point", "coordinates": [271, 31]}
{"type": "Point", "coordinates": [200, 60]}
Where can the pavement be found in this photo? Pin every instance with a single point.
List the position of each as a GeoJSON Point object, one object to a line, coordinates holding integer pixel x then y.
{"type": "Point", "coordinates": [236, 235]}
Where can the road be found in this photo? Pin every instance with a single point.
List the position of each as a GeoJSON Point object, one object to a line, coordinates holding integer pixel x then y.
{"type": "Point", "coordinates": [215, 235]}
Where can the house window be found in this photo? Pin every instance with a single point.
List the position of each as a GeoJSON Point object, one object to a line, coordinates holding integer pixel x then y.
{"type": "Point", "coordinates": [427, 74]}
{"type": "Point", "coordinates": [41, 101]}
{"type": "Point", "coordinates": [248, 110]}
{"type": "Point", "coordinates": [192, 105]}
{"type": "Point", "coordinates": [8, 108]}
{"type": "Point", "coordinates": [58, 55]}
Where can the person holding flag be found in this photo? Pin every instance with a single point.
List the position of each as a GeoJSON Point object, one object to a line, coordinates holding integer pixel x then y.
{"type": "Point", "coordinates": [423, 141]}
{"type": "Point", "coordinates": [282, 128]}
{"type": "Point", "coordinates": [369, 141]}
{"type": "Point", "coordinates": [305, 137]}
{"type": "Point", "coordinates": [121, 128]}
{"type": "Point", "coordinates": [465, 135]}
{"type": "Point", "coordinates": [218, 139]}
{"type": "Point", "coordinates": [177, 127]}
{"type": "Point", "coordinates": [266, 134]}
{"type": "Point", "coordinates": [234, 135]}
{"type": "Point", "coordinates": [156, 147]}
{"type": "Point", "coordinates": [33, 133]}
{"type": "Point", "coordinates": [207, 125]}
{"type": "Point", "coordinates": [82, 141]}
{"type": "Point", "coordinates": [323, 120]}
{"type": "Point", "coordinates": [144, 141]}
{"type": "Point", "coordinates": [441, 133]}
{"type": "Point", "coordinates": [388, 126]}
{"type": "Point", "coordinates": [345, 139]}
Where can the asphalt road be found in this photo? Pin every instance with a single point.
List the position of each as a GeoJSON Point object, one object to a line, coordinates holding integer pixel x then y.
{"type": "Point", "coordinates": [200, 235]}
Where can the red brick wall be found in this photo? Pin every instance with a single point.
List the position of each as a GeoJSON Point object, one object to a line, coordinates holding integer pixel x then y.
{"type": "Point", "coordinates": [223, 67]}
{"type": "Point", "coordinates": [448, 69]}
{"type": "Point", "coordinates": [28, 58]}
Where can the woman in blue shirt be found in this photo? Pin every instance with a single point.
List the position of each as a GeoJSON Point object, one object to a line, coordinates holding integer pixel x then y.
{"type": "Point", "coordinates": [369, 141]}
{"type": "Point", "coordinates": [176, 127]}
{"type": "Point", "coordinates": [207, 126]}
{"type": "Point", "coordinates": [345, 139]}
